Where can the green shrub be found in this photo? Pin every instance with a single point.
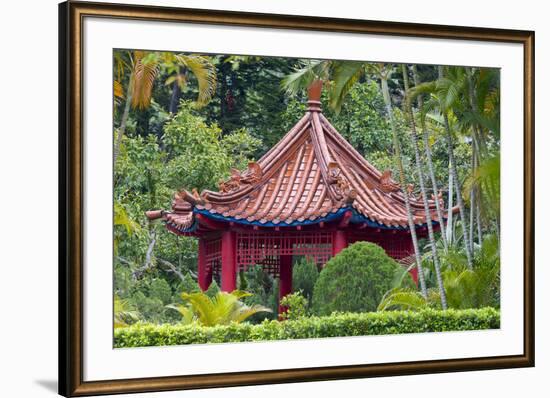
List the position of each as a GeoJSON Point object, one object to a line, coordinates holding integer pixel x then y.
{"type": "Point", "coordinates": [355, 280]}
{"type": "Point", "coordinates": [296, 306]}
{"type": "Point", "coordinates": [335, 325]}
{"type": "Point", "coordinates": [161, 290]}
{"type": "Point", "coordinates": [188, 285]}
{"type": "Point", "coordinates": [212, 290]}
{"type": "Point", "coordinates": [264, 289]}
{"type": "Point", "coordinates": [304, 276]}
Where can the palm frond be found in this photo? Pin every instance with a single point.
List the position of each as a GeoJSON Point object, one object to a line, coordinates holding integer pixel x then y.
{"type": "Point", "coordinates": [205, 73]}
{"type": "Point", "coordinates": [344, 75]}
{"type": "Point", "coordinates": [222, 309]}
{"type": "Point", "coordinates": [487, 174]}
{"type": "Point", "coordinates": [187, 315]}
{"type": "Point", "coordinates": [144, 74]}
{"type": "Point", "coordinates": [124, 314]}
{"type": "Point", "coordinates": [122, 218]}
{"type": "Point", "coordinates": [402, 299]}
{"type": "Point", "coordinates": [245, 312]}
{"type": "Point", "coordinates": [304, 75]}
{"type": "Point", "coordinates": [118, 90]}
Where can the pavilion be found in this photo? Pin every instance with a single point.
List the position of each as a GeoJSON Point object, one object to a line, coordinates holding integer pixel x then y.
{"type": "Point", "coordinates": [312, 195]}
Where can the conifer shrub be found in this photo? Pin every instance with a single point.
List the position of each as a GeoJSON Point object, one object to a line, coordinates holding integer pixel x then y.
{"type": "Point", "coordinates": [355, 280]}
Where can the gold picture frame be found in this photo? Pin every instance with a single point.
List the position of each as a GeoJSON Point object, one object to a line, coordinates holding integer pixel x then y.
{"type": "Point", "coordinates": [71, 16]}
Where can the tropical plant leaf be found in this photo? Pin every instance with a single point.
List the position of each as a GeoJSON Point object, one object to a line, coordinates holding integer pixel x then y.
{"type": "Point", "coordinates": [118, 90]}
{"type": "Point", "coordinates": [222, 309]}
{"type": "Point", "coordinates": [344, 75]}
{"type": "Point", "coordinates": [124, 314]}
{"type": "Point", "coordinates": [121, 218]}
{"type": "Point", "coordinates": [402, 299]}
{"type": "Point", "coordinates": [144, 74]}
{"type": "Point", "coordinates": [204, 72]}
{"type": "Point", "coordinates": [305, 74]}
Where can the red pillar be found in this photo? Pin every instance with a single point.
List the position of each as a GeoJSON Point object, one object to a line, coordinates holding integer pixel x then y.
{"type": "Point", "coordinates": [205, 275]}
{"type": "Point", "coordinates": [229, 261]}
{"type": "Point", "coordinates": [339, 241]}
{"type": "Point", "coordinates": [414, 275]}
{"type": "Point", "coordinates": [285, 278]}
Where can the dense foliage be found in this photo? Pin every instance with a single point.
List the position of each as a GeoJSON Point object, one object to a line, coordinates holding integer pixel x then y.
{"type": "Point", "coordinates": [355, 280]}
{"type": "Point", "coordinates": [465, 288]}
{"type": "Point", "coordinates": [304, 276]}
{"type": "Point", "coordinates": [335, 325]}
{"type": "Point", "coordinates": [220, 309]}
{"type": "Point", "coordinates": [295, 305]}
{"type": "Point", "coordinates": [185, 120]}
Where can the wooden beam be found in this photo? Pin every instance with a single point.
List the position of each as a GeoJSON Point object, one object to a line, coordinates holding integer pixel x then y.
{"type": "Point", "coordinates": [344, 221]}
{"type": "Point", "coordinates": [211, 224]}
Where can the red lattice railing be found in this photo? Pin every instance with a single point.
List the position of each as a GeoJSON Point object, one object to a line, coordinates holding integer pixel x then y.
{"type": "Point", "coordinates": [265, 249]}
{"type": "Point", "coordinates": [396, 246]}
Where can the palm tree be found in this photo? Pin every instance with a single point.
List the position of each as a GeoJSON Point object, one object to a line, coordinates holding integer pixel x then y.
{"type": "Point", "coordinates": [222, 309]}
{"type": "Point", "coordinates": [144, 68]}
{"type": "Point", "coordinates": [420, 173]}
{"type": "Point", "coordinates": [446, 93]}
{"type": "Point", "coordinates": [482, 118]}
{"type": "Point", "coordinates": [384, 73]}
{"type": "Point", "coordinates": [429, 161]}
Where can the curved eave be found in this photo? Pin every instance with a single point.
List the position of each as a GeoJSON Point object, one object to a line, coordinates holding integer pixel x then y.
{"type": "Point", "coordinates": [172, 227]}
{"type": "Point", "coordinates": [356, 218]}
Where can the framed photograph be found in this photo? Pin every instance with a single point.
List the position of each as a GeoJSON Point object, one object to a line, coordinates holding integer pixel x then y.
{"type": "Point", "coordinates": [254, 199]}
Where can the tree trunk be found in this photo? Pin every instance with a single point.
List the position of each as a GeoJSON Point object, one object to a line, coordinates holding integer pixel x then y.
{"type": "Point", "coordinates": [175, 98]}
{"type": "Point", "coordinates": [419, 171]}
{"type": "Point", "coordinates": [478, 218]}
{"type": "Point", "coordinates": [450, 208]}
{"type": "Point", "coordinates": [176, 94]}
{"type": "Point", "coordinates": [472, 205]}
{"type": "Point", "coordinates": [472, 215]}
{"type": "Point", "coordinates": [431, 169]}
{"type": "Point", "coordinates": [460, 202]}
{"type": "Point", "coordinates": [384, 75]}
{"type": "Point", "coordinates": [123, 120]}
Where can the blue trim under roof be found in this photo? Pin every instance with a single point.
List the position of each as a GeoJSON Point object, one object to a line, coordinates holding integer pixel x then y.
{"type": "Point", "coordinates": [356, 218]}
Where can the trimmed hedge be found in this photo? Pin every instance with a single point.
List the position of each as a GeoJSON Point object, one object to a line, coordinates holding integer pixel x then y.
{"type": "Point", "coordinates": [335, 325]}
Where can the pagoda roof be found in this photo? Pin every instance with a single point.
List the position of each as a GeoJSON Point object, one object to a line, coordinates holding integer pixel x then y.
{"type": "Point", "coordinates": [311, 175]}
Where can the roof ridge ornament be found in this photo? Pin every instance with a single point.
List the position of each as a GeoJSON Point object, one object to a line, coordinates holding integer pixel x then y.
{"type": "Point", "coordinates": [252, 175]}
{"type": "Point", "coordinates": [314, 95]}
{"type": "Point", "coordinates": [387, 182]}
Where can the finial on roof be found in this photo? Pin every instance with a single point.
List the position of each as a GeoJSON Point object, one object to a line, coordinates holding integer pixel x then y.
{"type": "Point", "coordinates": [314, 95]}
{"type": "Point", "coordinates": [314, 90]}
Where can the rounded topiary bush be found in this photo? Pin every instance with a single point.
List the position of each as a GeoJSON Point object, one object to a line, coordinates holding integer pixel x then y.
{"type": "Point", "coordinates": [355, 280]}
